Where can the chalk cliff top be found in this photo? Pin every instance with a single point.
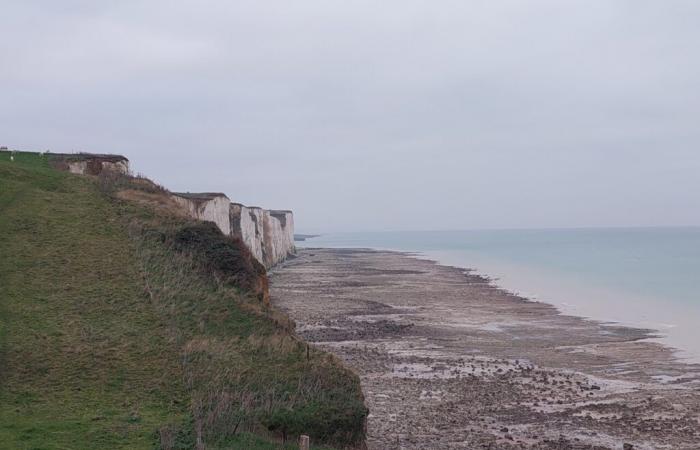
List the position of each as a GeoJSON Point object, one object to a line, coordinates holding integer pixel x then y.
{"type": "Point", "coordinates": [244, 206]}
{"type": "Point", "coordinates": [200, 195]}
{"type": "Point", "coordinates": [86, 156]}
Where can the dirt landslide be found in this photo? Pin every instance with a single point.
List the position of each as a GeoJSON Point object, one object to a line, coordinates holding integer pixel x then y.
{"type": "Point", "coordinates": [449, 361]}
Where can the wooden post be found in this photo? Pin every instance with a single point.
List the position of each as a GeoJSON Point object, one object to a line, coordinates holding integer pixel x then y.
{"type": "Point", "coordinates": [303, 442]}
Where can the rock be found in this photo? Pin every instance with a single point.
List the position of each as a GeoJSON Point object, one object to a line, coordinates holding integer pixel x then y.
{"type": "Point", "coordinates": [89, 163]}
{"type": "Point", "coordinates": [268, 234]}
{"type": "Point", "coordinates": [627, 446]}
{"type": "Point", "coordinates": [207, 206]}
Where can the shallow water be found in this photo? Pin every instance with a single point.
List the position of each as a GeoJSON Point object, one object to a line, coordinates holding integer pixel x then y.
{"type": "Point", "coordinates": [646, 277]}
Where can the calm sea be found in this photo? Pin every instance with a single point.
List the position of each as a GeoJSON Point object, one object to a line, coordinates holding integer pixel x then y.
{"type": "Point", "coordinates": [645, 277]}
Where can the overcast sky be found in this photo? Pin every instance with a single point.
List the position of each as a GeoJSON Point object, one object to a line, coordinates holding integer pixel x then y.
{"type": "Point", "coordinates": [375, 115]}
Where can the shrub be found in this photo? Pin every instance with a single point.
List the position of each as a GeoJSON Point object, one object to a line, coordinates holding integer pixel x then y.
{"type": "Point", "coordinates": [227, 258]}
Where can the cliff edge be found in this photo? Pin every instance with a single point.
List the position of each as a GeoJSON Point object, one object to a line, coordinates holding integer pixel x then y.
{"type": "Point", "coordinates": [268, 234]}
{"type": "Point", "coordinates": [125, 323]}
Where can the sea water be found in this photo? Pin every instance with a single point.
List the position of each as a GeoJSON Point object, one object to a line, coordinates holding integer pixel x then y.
{"type": "Point", "coordinates": [641, 277]}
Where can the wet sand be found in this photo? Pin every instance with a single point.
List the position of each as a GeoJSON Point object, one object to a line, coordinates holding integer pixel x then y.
{"type": "Point", "coordinates": [449, 361]}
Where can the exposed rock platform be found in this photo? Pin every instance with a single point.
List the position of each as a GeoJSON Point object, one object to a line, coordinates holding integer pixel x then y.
{"type": "Point", "coordinates": [449, 361]}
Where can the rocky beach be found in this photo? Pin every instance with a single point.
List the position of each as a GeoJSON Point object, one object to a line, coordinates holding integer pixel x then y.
{"type": "Point", "coordinates": [448, 360]}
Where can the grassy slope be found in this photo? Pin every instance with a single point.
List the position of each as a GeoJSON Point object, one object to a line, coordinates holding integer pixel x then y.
{"type": "Point", "coordinates": [114, 337]}
{"type": "Point", "coordinates": [81, 357]}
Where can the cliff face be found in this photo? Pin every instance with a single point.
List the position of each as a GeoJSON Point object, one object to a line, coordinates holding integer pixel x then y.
{"type": "Point", "coordinates": [269, 235]}
{"type": "Point", "coordinates": [208, 206]}
{"type": "Point", "coordinates": [247, 224]}
{"type": "Point", "coordinates": [279, 226]}
{"type": "Point", "coordinates": [88, 163]}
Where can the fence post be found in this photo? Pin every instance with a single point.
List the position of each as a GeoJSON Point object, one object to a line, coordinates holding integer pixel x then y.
{"type": "Point", "coordinates": [303, 442]}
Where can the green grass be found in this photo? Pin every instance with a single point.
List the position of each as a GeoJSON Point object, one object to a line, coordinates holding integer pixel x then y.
{"type": "Point", "coordinates": [252, 442]}
{"type": "Point", "coordinates": [83, 365]}
{"type": "Point", "coordinates": [113, 334]}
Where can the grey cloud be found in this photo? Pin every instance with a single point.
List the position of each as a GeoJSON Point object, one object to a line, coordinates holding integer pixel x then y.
{"type": "Point", "coordinates": [376, 115]}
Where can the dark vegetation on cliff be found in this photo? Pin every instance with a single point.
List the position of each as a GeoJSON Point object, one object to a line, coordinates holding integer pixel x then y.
{"type": "Point", "coordinates": [125, 325]}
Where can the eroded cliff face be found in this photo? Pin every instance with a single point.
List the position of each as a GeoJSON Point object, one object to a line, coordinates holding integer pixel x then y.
{"type": "Point", "coordinates": [95, 167]}
{"type": "Point", "coordinates": [246, 224]}
{"type": "Point", "coordinates": [88, 163]}
{"type": "Point", "coordinates": [268, 234]}
{"type": "Point", "coordinates": [208, 206]}
{"type": "Point", "coordinates": [279, 226]}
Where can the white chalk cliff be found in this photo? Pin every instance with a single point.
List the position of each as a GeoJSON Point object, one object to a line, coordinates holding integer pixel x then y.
{"type": "Point", "coordinates": [89, 163]}
{"type": "Point", "coordinates": [268, 234]}
{"type": "Point", "coordinates": [279, 227]}
{"type": "Point", "coordinates": [209, 206]}
{"type": "Point", "coordinates": [247, 225]}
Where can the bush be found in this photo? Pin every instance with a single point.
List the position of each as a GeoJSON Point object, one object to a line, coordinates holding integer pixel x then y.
{"type": "Point", "coordinates": [112, 181]}
{"type": "Point", "coordinates": [227, 258]}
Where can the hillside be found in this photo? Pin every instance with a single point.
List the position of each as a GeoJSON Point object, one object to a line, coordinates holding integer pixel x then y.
{"type": "Point", "coordinates": [126, 325]}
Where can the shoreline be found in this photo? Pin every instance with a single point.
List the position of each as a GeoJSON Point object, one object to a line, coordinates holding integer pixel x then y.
{"type": "Point", "coordinates": [659, 332]}
{"type": "Point", "coordinates": [429, 341]}
{"type": "Point", "coordinates": [551, 290]}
